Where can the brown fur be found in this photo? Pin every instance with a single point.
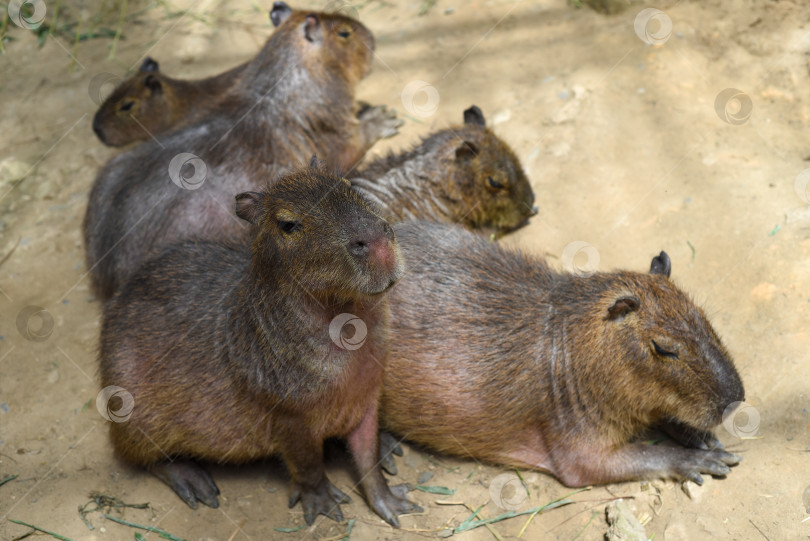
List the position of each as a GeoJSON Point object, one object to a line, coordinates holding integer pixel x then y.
{"type": "Point", "coordinates": [464, 175]}
{"type": "Point", "coordinates": [150, 103]}
{"type": "Point", "coordinates": [495, 355]}
{"type": "Point", "coordinates": [227, 350]}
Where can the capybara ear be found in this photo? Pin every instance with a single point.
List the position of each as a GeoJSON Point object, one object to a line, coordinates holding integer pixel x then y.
{"type": "Point", "coordinates": [473, 115]}
{"type": "Point", "coordinates": [661, 264]}
{"type": "Point", "coordinates": [316, 163]}
{"type": "Point", "coordinates": [153, 83]}
{"type": "Point", "coordinates": [622, 307]}
{"type": "Point", "coordinates": [466, 151]}
{"type": "Point", "coordinates": [249, 206]}
{"type": "Point", "coordinates": [280, 13]}
{"type": "Point", "coordinates": [312, 28]}
{"type": "Point", "coordinates": [149, 64]}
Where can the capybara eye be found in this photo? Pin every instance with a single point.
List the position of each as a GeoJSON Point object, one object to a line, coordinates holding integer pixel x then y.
{"type": "Point", "coordinates": [344, 33]}
{"type": "Point", "coordinates": [127, 105]}
{"type": "Point", "coordinates": [494, 183]}
{"type": "Point", "coordinates": [288, 227]}
{"type": "Point", "coordinates": [663, 352]}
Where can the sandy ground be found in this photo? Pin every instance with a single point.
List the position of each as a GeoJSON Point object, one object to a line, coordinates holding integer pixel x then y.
{"type": "Point", "coordinates": [627, 151]}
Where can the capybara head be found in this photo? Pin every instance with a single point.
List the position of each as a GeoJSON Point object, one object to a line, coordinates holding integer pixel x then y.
{"type": "Point", "coordinates": [344, 46]}
{"type": "Point", "coordinates": [137, 107]}
{"type": "Point", "coordinates": [489, 178]}
{"type": "Point", "coordinates": [666, 357]}
{"type": "Point", "coordinates": [313, 222]}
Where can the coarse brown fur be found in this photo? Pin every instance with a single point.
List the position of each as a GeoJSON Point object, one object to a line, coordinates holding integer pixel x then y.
{"type": "Point", "coordinates": [229, 351]}
{"type": "Point", "coordinates": [494, 354]}
{"type": "Point", "coordinates": [295, 99]}
{"type": "Point", "coordinates": [464, 175]}
{"type": "Point", "coordinates": [150, 103]}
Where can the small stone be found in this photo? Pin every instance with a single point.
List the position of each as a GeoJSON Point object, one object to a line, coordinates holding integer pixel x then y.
{"type": "Point", "coordinates": [53, 376]}
{"type": "Point", "coordinates": [624, 526]}
{"type": "Point", "coordinates": [445, 533]}
{"type": "Point", "coordinates": [693, 490]}
{"type": "Point", "coordinates": [424, 477]}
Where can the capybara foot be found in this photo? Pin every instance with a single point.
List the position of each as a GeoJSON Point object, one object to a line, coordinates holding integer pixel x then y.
{"type": "Point", "coordinates": [323, 499]}
{"type": "Point", "coordinates": [401, 490]}
{"type": "Point", "coordinates": [693, 438]}
{"type": "Point", "coordinates": [389, 446]}
{"type": "Point", "coordinates": [189, 481]}
{"type": "Point", "coordinates": [378, 122]}
{"type": "Point", "coordinates": [715, 462]}
{"type": "Point", "coordinates": [390, 503]}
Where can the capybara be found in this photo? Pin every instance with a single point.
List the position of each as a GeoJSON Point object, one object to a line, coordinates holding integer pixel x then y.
{"type": "Point", "coordinates": [295, 99]}
{"type": "Point", "coordinates": [149, 103]}
{"type": "Point", "coordinates": [463, 174]}
{"type": "Point", "coordinates": [496, 355]}
{"type": "Point", "coordinates": [233, 352]}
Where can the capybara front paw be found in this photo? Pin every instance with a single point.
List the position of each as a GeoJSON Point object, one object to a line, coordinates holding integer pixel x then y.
{"type": "Point", "coordinates": [715, 462]}
{"type": "Point", "coordinates": [692, 438]}
{"type": "Point", "coordinates": [378, 122]}
{"type": "Point", "coordinates": [389, 446]}
{"type": "Point", "coordinates": [323, 499]}
{"type": "Point", "coordinates": [189, 481]}
{"type": "Point", "coordinates": [388, 505]}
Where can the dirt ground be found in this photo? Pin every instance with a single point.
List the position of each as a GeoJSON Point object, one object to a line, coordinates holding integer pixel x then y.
{"type": "Point", "coordinates": [632, 147]}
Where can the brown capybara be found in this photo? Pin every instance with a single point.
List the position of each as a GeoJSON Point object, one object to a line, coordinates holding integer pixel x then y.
{"type": "Point", "coordinates": [233, 352]}
{"type": "Point", "coordinates": [295, 99]}
{"type": "Point", "coordinates": [464, 175]}
{"type": "Point", "coordinates": [494, 354]}
{"type": "Point", "coordinates": [149, 103]}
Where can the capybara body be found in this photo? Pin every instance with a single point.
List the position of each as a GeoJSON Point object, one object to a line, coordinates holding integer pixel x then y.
{"type": "Point", "coordinates": [464, 175]}
{"type": "Point", "coordinates": [230, 354]}
{"type": "Point", "coordinates": [295, 99]}
{"type": "Point", "coordinates": [496, 355]}
{"type": "Point", "coordinates": [150, 103]}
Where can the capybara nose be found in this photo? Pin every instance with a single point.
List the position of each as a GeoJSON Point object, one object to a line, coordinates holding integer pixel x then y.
{"type": "Point", "coordinates": [97, 129]}
{"type": "Point", "coordinates": [358, 248]}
